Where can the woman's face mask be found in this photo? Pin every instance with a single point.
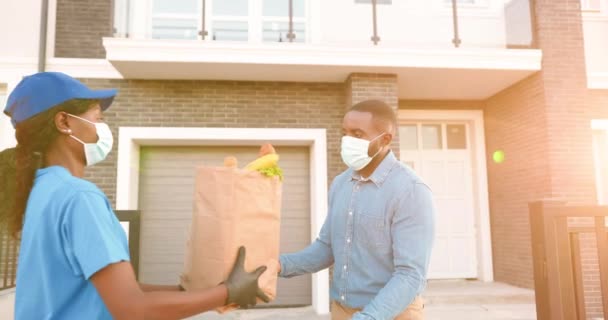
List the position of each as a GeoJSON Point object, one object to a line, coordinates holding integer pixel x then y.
{"type": "Point", "coordinates": [96, 152]}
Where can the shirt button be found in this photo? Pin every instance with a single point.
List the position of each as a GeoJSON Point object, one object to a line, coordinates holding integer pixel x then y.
{"type": "Point", "coordinates": [348, 240]}
{"type": "Point", "coordinates": [342, 297]}
{"type": "Point", "coordinates": [344, 267]}
{"type": "Point", "coordinates": [350, 213]}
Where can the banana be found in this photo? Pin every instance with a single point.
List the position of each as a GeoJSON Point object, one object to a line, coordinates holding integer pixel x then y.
{"type": "Point", "coordinates": [267, 161]}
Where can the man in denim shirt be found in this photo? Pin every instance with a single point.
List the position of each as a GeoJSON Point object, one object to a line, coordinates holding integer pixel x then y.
{"type": "Point", "coordinates": [379, 231]}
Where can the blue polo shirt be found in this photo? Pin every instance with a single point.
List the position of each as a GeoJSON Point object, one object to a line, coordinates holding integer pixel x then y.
{"type": "Point", "coordinates": [70, 233]}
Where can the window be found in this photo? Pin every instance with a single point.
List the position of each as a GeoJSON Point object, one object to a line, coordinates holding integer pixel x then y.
{"type": "Point", "coordinates": [175, 19]}
{"type": "Point", "coordinates": [591, 5]}
{"type": "Point", "coordinates": [600, 155]}
{"type": "Point", "coordinates": [456, 135]}
{"type": "Point", "coordinates": [377, 1]}
{"type": "Point", "coordinates": [275, 20]}
{"type": "Point", "coordinates": [226, 20]}
{"type": "Point", "coordinates": [432, 137]}
{"type": "Point", "coordinates": [230, 20]}
{"type": "Point", "coordinates": [466, 3]}
{"type": "Point", "coordinates": [408, 137]}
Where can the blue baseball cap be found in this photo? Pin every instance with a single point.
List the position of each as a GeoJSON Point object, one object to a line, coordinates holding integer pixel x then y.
{"type": "Point", "coordinates": [42, 91]}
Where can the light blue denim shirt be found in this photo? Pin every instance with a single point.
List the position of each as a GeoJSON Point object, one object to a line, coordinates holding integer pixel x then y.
{"type": "Point", "coordinates": [378, 234]}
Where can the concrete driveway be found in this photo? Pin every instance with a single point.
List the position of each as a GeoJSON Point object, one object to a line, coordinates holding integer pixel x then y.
{"type": "Point", "coordinates": [453, 300]}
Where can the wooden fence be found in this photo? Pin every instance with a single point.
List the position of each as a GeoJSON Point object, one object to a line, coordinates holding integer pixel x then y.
{"type": "Point", "coordinates": [556, 250]}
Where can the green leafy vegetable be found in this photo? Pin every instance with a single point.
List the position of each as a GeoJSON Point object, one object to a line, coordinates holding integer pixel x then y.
{"type": "Point", "coordinates": [273, 171]}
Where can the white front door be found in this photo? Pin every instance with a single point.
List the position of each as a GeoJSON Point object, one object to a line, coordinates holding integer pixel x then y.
{"type": "Point", "coordinates": [440, 153]}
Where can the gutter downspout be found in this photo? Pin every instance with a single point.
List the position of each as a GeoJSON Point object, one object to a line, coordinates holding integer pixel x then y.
{"type": "Point", "coordinates": [44, 17]}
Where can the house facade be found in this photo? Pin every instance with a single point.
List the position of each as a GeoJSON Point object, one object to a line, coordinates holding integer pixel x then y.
{"type": "Point", "coordinates": [500, 103]}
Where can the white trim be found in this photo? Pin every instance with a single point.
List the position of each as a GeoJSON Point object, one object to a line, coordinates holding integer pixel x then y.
{"type": "Point", "coordinates": [13, 67]}
{"type": "Point", "coordinates": [7, 132]}
{"type": "Point", "coordinates": [597, 80]}
{"type": "Point", "coordinates": [599, 124]}
{"type": "Point", "coordinates": [139, 22]}
{"type": "Point", "coordinates": [84, 68]}
{"type": "Point", "coordinates": [475, 117]}
{"type": "Point", "coordinates": [51, 28]}
{"type": "Point", "coordinates": [314, 14]}
{"type": "Point", "coordinates": [132, 138]}
{"type": "Point", "coordinates": [185, 51]}
{"type": "Point", "coordinates": [602, 126]}
{"type": "Point", "coordinates": [16, 67]}
{"type": "Point", "coordinates": [594, 16]}
{"type": "Point", "coordinates": [599, 185]}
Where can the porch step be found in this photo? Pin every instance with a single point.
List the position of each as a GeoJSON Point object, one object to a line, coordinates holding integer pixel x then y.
{"type": "Point", "coordinates": [446, 292]}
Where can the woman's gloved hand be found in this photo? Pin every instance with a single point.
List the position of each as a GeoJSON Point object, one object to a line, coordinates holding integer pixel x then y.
{"type": "Point", "coordinates": [243, 288]}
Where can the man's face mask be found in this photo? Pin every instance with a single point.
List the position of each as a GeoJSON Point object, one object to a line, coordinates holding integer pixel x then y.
{"type": "Point", "coordinates": [355, 152]}
{"type": "Point", "coordinates": [96, 152]}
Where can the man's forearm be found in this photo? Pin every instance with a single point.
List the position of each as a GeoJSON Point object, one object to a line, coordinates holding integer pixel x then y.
{"type": "Point", "coordinates": [394, 298]}
{"type": "Point", "coordinates": [313, 258]}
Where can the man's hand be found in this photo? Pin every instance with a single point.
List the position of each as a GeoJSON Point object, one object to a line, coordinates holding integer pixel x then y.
{"type": "Point", "coordinates": [243, 288]}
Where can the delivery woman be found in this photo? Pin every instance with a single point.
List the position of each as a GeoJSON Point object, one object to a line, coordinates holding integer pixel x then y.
{"type": "Point", "coordinates": [74, 258]}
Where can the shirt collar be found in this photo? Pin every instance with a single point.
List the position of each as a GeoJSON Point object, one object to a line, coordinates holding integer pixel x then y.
{"type": "Point", "coordinates": [379, 175]}
{"type": "Point", "coordinates": [59, 170]}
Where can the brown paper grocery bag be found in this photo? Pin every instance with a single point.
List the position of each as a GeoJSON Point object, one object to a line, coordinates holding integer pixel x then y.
{"type": "Point", "coordinates": [233, 207]}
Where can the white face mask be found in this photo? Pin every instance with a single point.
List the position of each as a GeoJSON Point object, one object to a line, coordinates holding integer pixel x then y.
{"type": "Point", "coordinates": [355, 152]}
{"type": "Point", "coordinates": [97, 152]}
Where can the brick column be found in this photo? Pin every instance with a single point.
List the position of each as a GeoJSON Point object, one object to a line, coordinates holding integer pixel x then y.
{"type": "Point", "coordinates": [80, 27]}
{"type": "Point", "coordinates": [543, 124]}
{"type": "Point", "coordinates": [365, 86]}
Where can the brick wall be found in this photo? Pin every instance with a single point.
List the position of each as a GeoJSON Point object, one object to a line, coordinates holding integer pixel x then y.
{"type": "Point", "coordinates": [366, 86]}
{"type": "Point", "coordinates": [80, 26]}
{"type": "Point", "coordinates": [543, 125]}
{"type": "Point", "coordinates": [515, 122]}
{"type": "Point", "coordinates": [568, 121]}
{"type": "Point", "coordinates": [221, 104]}
{"type": "Point", "coordinates": [565, 86]}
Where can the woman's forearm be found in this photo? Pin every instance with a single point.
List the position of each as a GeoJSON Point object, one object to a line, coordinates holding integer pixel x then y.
{"type": "Point", "coordinates": [155, 287]}
{"type": "Point", "coordinates": [178, 305]}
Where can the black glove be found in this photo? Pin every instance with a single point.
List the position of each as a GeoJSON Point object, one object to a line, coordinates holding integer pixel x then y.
{"type": "Point", "coordinates": [243, 286]}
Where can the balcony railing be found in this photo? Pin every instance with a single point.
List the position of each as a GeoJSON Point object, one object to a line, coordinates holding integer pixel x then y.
{"type": "Point", "coordinates": [9, 251]}
{"type": "Point", "coordinates": [354, 23]}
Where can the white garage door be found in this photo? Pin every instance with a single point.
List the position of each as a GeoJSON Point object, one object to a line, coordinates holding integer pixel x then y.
{"type": "Point", "coordinates": [165, 199]}
{"type": "Point", "coordinates": [441, 154]}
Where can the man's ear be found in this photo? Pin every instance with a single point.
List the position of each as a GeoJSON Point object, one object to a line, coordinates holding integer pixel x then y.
{"type": "Point", "coordinates": [387, 139]}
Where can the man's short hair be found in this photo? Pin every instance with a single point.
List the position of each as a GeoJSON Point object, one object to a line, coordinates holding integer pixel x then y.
{"type": "Point", "coordinates": [380, 111]}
